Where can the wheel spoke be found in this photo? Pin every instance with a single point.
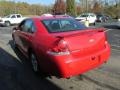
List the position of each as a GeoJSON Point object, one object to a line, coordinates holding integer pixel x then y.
{"type": "Point", "coordinates": [34, 63]}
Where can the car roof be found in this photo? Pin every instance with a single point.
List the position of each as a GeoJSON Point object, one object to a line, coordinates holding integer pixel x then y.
{"type": "Point", "coordinates": [87, 14]}
{"type": "Point", "coordinates": [52, 17]}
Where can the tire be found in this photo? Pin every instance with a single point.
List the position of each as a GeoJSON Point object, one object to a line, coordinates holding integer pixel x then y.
{"type": "Point", "coordinates": [7, 23]}
{"type": "Point", "coordinates": [35, 67]}
{"type": "Point", "coordinates": [34, 62]}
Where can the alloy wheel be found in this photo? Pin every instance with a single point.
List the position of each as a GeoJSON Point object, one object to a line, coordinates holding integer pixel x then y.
{"type": "Point", "coordinates": [34, 63]}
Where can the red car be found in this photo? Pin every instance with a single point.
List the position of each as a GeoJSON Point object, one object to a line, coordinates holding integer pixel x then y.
{"type": "Point", "coordinates": [60, 45]}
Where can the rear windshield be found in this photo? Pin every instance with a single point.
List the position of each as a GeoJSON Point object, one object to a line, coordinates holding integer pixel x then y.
{"type": "Point", "coordinates": [63, 25]}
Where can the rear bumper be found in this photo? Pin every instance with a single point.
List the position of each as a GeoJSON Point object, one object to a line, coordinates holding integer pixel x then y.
{"type": "Point", "coordinates": [67, 66]}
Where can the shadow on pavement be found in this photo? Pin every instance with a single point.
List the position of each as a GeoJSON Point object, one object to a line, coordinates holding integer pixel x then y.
{"type": "Point", "coordinates": [111, 26]}
{"type": "Point", "coordinates": [17, 75]}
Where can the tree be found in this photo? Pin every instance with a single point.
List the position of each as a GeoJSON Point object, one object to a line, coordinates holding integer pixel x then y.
{"type": "Point", "coordinates": [78, 10]}
{"type": "Point", "coordinates": [97, 8]}
{"type": "Point", "coordinates": [117, 2]}
{"type": "Point", "coordinates": [6, 7]}
{"type": "Point", "coordinates": [59, 7]}
{"type": "Point", "coordinates": [71, 7]}
{"type": "Point", "coordinates": [9, 7]}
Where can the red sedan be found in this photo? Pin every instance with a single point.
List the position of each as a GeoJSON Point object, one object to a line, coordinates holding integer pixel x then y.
{"type": "Point", "coordinates": [60, 45]}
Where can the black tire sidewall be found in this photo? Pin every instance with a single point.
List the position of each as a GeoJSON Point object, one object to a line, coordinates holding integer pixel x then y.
{"type": "Point", "coordinates": [7, 23]}
{"type": "Point", "coordinates": [30, 58]}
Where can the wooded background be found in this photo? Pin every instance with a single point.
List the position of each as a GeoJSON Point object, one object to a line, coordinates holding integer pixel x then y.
{"type": "Point", "coordinates": [71, 7]}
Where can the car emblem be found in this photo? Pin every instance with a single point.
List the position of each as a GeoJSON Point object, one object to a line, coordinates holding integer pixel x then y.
{"type": "Point", "coordinates": [91, 40]}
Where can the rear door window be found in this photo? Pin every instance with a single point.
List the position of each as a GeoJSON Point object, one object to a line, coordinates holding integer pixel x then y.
{"type": "Point", "coordinates": [25, 26]}
{"type": "Point", "coordinates": [13, 16]}
{"type": "Point", "coordinates": [28, 26]}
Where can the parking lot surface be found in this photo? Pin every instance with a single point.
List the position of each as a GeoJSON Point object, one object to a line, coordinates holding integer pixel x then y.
{"type": "Point", "coordinates": [16, 73]}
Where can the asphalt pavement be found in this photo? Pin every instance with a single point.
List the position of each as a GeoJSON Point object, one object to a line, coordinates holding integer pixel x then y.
{"type": "Point", "coordinates": [16, 73]}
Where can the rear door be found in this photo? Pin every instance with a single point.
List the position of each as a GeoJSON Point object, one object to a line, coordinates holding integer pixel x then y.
{"type": "Point", "coordinates": [17, 34]}
{"type": "Point", "coordinates": [27, 34]}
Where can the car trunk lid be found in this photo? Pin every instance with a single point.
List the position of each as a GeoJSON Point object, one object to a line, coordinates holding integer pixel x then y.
{"type": "Point", "coordinates": [85, 42]}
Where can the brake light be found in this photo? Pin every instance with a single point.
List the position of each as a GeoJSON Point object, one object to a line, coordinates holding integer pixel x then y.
{"type": "Point", "coordinates": [60, 48]}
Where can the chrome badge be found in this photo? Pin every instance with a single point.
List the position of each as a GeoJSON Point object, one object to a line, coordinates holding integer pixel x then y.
{"type": "Point", "coordinates": [91, 40]}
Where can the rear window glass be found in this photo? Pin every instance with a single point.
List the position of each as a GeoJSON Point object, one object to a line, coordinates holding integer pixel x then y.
{"type": "Point", "coordinates": [99, 15]}
{"type": "Point", "coordinates": [63, 25]}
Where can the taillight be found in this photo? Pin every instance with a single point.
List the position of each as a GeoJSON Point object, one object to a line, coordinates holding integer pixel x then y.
{"type": "Point", "coordinates": [60, 48]}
